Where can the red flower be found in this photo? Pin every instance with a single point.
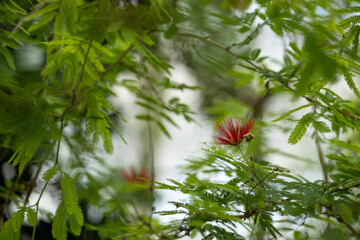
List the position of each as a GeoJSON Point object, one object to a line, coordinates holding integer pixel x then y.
{"type": "Point", "coordinates": [232, 131]}
{"type": "Point", "coordinates": [133, 177]}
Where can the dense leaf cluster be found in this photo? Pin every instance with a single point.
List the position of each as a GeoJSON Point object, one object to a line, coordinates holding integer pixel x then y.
{"type": "Point", "coordinates": [62, 59]}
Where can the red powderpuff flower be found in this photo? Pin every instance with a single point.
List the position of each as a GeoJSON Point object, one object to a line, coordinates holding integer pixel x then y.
{"type": "Point", "coordinates": [232, 131]}
{"type": "Point", "coordinates": [133, 177]}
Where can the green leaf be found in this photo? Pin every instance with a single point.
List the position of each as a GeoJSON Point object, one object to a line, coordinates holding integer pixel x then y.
{"type": "Point", "coordinates": [255, 53]}
{"type": "Point", "coordinates": [31, 216]}
{"type": "Point", "coordinates": [42, 21]}
{"type": "Point", "coordinates": [350, 82]}
{"type": "Point", "coordinates": [346, 10]}
{"type": "Point", "coordinates": [146, 39]}
{"type": "Point", "coordinates": [114, 27]}
{"type": "Point", "coordinates": [292, 111]}
{"type": "Point", "coordinates": [334, 111]}
{"type": "Point", "coordinates": [300, 128]}
{"type": "Point", "coordinates": [11, 228]}
{"type": "Point", "coordinates": [9, 58]}
{"type": "Point", "coordinates": [7, 231]}
{"type": "Point", "coordinates": [62, 42]}
{"type": "Point", "coordinates": [28, 148]}
{"type": "Point", "coordinates": [59, 228]}
{"type": "Point", "coordinates": [321, 126]}
{"type": "Point", "coordinates": [97, 123]}
{"type": "Point", "coordinates": [69, 195]}
{"type": "Point", "coordinates": [17, 8]}
{"type": "Point", "coordinates": [171, 31]}
{"type": "Point", "coordinates": [144, 117]}
{"type": "Point", "coordinates": [48, 8]}
{"type": "Point", "coordinates": [295, 48]}
{"type": "Point", "coordinates": [102, 49]}
{"type": "Point", "coordinates": [93, 57]}
{"type": "Point", "coordinates": [297, 235]}
{"type": "Point", "coordinates": [163, 129]}
{"type": "Point", "coordinates": [346, 145]}
{"type": "Point", "coordinates": [347, 22]}
{"type": "Point", "coordinates": [17, 220]}
{"type": "Point", "coordinates": [128, 34]}
{"type": "Point", "coordinates": [50, 173]}
{"type": "Point", "coordinates": [76, 221]}
{"type": "Point", "coordinates": [355, 43]}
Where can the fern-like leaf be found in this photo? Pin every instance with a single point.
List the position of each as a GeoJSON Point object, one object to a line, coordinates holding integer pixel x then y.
{"type": "Point", "coordinates": [346, 10]}
{"type": "Point", "coordinates": [321, 126]}
{"type": "Point", "coordinates": [300, 129]}
{"type": "Point", "coordinates": [350, 82]}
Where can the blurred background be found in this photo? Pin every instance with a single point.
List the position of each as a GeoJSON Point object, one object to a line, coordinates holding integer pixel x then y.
{"type": "Point", "coordinates": [206, 81]}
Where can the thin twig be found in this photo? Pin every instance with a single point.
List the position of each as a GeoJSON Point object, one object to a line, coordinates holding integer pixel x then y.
{"type": "Point", "coordinates": [340, 218]}
{"type": "Point", "coordinates": [152, 168]}
{"type": "Point", "coordinates": [8, 197]}
{"type": "Point", "coordinates": [33, 181]}
{"type": "Point", "coordinates": [47, 182]}
{"type": "Point", "coordinates": [321, 158]}
{"type": "Point", "coordinates": [260, 181]}
{"type": "Point", "coordinates": [250, 37]}
{"type": "Point", "coordinates": [318, 146]}
{"type": "Point", "coordinates": [338, 187]}
{"type": "Point", "coordinates": [219, 45]}
{"type": "Point", "coordinates": [117, 62]}
{"type": "Point", "coordinates": [73, 99]}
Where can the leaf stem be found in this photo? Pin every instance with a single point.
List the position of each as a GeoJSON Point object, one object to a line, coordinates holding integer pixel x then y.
{"type": "Point", "coordinates": [47, 182]}
{"type": "Point", "coordinates": [318, 146]}
{"type": "Point", "coordinates": [73, 100]}
{"type": "Point", "coordinates": [117, 62]}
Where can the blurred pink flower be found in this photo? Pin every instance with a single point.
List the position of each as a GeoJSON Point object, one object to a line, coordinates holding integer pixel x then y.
{"type": "Point", "coordinates": [133, 177]}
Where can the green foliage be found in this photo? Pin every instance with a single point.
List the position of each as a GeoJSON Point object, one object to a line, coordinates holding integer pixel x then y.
{"type": "Point", "coordinates": [58, 119]}
{"type": "Point", "coordinates": [11, 229]}
{"type": "Point", "coordinates": [50, 173]}
{"type": "Point", "coordinates": [292, 111]}
{"type": "Point", "coordinates": [300, 128]}
{"type": "Point", "coordinates": [31, 216]}
{"type": "Point", "coordinates": [59, 228]}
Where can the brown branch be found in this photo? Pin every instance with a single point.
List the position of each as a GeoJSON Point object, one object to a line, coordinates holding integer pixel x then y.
{"type": "Point", "coordinates": [330, 213]}
{"type": "Point", "coordinates": [347, 224]}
